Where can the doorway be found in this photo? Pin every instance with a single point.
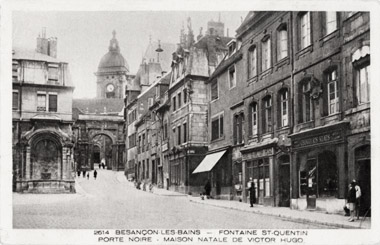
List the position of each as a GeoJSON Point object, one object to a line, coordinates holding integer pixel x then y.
{"type": "Point", "coordinates": [284, 181]}
{"type": "Point", "coordinates": [363, 175]}
{"type": "Point", "coordinates": [96, 154]}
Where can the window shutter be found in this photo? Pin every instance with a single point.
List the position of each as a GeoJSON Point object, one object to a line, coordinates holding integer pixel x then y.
{"type": "Point", "coordinates": [221, 126]}
{"type": "Point", "coordinates": [15, 100]}
{"type": "Point", "coordinates": [52, 102]}
{"type": "Point", "coordinates": [241, 128]}
{"type": "Point", "coordinates": [234, 129]}
{"type": "Point", "coordinates": [250, 120]}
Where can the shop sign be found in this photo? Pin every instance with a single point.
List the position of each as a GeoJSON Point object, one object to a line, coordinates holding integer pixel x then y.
{"type": "Point", "coordinates": [318, 139]}
{"type": "Point", "coordinates": [165, 147]}
{"type": "Point", "coordinates": [258, 154]}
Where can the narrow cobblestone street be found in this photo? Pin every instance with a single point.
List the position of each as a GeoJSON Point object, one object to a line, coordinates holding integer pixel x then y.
{"type": "Point", "coordinates": [109, 203]}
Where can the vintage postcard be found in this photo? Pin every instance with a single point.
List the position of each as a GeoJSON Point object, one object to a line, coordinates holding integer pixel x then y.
{"type": "Point", "coordinates": [186, 122]}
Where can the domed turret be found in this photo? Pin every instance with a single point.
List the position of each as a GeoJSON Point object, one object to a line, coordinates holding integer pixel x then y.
{"type": "Point", "coordinates": [113, 60]}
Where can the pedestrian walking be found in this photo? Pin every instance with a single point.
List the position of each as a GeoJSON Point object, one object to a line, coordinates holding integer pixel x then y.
{"type": "Point", "coordinates": [358, 195]}
{"type": "Point", "coordinates": [252, 192]}
{"type": "Point", "coordinates": [208, 189]}
{"type": "Point", "coordinates": [95, 174]}
{"type": "Point", "coordinates": [351, 199]}
{"type": "Point", "coordinates": [78, 172]}
{"type": "Point", "coordinates": [88, 175]}
{"type": "Point", "coordinates": [84, 173]}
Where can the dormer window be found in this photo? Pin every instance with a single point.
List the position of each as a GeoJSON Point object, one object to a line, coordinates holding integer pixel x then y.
{"type": "Point", "coordinates": [231, 47]}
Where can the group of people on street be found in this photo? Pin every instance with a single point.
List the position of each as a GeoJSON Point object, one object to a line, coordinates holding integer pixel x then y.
{"type": "Point", "coordinates": [353, 201]}
{"type": "Point", "coordinates": [87, 174]}
{"type": "Point", "coordinates": [251, 189]}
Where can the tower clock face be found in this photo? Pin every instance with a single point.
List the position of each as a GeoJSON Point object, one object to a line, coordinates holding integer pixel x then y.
{"type": "Point", "coordinates": [110, 88]}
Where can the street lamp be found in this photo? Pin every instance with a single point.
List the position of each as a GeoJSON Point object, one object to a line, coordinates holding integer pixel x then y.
{"type": "Point", "coordinates": [159, 50]}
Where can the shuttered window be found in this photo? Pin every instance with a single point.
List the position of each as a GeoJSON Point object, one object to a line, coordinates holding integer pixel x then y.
{"type": "Point", "coordinates": [214, 90]}
{"type": "Point", "coordinates": [53, 103]}
{"type": "Point", "coordinates": [15, 100]}
{"type": "Point", "coordinates": [217, 127]}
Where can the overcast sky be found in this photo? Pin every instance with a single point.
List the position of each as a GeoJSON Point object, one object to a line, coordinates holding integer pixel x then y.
{"type": "Point", "coordinates": [83, 37]}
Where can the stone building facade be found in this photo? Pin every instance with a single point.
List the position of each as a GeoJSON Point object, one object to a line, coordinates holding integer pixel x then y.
{"type": "Point", "coordinates": [193, 62]}
{"type": "Point", "coordinates": [98, 129]}
{"type": "Point", "coordinates": [42, 120]}
{"type": "Point", "coordinates": [297, 121]}
{"type": "Point", "coordinates": [225, 115]}
{"type": "Point", "coordinates": [267, 67]}
{"type": "Point", "coordinates": [142, 126]}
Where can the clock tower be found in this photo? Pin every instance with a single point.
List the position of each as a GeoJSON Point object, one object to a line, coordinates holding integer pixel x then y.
{"type": "Point", "coordinates": [112, 75]}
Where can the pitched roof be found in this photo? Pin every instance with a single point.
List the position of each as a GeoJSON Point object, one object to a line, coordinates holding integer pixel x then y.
{"type": "Point", "coordinates": [98, 106]}
{"type": "Point", "coordinates": [220, 42]}
{"type": "Point", "coordinates": [25, 54]}
{"type": "Point", "coordinates": [165, 55]}
{"type": "Point", "coordinates": [225, 63]}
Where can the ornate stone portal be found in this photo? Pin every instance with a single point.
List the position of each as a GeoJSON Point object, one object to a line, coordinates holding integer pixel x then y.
{"type": "Point", "coordinates": [46, 162]}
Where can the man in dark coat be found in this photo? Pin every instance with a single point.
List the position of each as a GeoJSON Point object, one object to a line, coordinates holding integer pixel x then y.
{"type": "Point", "coordinates": [208, 189]}
{"type": "Point", "coordinates": [252, 194]}
{"type": "Point", "coordinates": [351, 199]}
{"type": "Point", "coordinates": [95, 174]}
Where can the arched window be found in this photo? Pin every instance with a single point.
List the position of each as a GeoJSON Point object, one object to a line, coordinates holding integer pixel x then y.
{"type": "Point", "coordinates": [267, 114]}
{"type": "Point", "coordinates": [238, 128]}
{"type": "Point", "coordinates": [253, 118]}
{"type": "Point", "coordinates": [252, 61]}
{"type": "Point", "coordinates": [265, 54]}
{"type": "Point", "coordinates": [284, 108]}
{"type": "Point", "coordinates": [305, 101]}
{"type": "Point", "coordinates": [332, 92]}
{"type": "Point", "coordinates": [304, 30]}
{"type": "Point", "coordinates": [361, 64]}
{"type": "Point", "coordinates": [282, 42]}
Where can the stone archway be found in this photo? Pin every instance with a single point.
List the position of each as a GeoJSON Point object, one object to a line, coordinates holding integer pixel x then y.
{"type": "Point", "coordinates": [46, 159]}
{"type": "Point", "coordinates": [105, 140]}
{"type": "Point", "coordinates": [46, 162]}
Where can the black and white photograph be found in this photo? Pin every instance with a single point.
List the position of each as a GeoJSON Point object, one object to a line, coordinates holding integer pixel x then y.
{"type": "Point", "coordinates": [183, 124]}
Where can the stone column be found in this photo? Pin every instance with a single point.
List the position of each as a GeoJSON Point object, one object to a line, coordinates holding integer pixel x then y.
{"type": "Point", "coordinates": [271, 177]}
{"type": "Point", "coordinates": [90, 153]}
{"type": "Point", "coordinates": [22, 170]}
{"type": "Point", "coordinates": [28, 173]}
{"type": "Point", "coordinates": [341, 164]}
{"type": "Point", "coordinates": [243, 180]}
{"type": "Point", "coordinates": [64, 163]}
{"type": "Point", "coordinates": [293, 176]}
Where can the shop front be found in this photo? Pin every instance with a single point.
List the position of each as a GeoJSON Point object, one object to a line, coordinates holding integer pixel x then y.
{"type": "Point", "coordinates": [258, 164]}
{"type": "Point", "coordinates": [319, 168]}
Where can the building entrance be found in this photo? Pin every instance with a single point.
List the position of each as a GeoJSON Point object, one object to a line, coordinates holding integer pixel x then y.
{"type": "Point", "coordinates": [363, 174]}
{"type": "Point", "coordinates": [284, 181]}
{"type": "Point", "coordinates": [102, 150]}
{"type": "Point", "coordinates": [319, 178]}
{"type": "Point", "coordinates": [96, 155]}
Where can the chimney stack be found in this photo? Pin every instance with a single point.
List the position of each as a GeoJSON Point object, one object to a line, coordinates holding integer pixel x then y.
{"type": "Point", "coordinates": [46, 46]}
{"type": "Point", "coordinates": [52, 47]}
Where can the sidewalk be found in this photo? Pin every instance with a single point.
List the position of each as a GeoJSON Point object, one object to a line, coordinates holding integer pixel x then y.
{"type": "Point", "coordinates": [317, 217]}
{"type": "Point", "coordinates": [301, 216]}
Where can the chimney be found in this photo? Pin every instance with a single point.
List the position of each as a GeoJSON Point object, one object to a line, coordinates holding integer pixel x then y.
{"type": "Point", "coordinates": [46, 46]}
{"type": "Point", "coordinates": [52, 47]}
{"type": "Point", "coordinates": [42, 42]}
